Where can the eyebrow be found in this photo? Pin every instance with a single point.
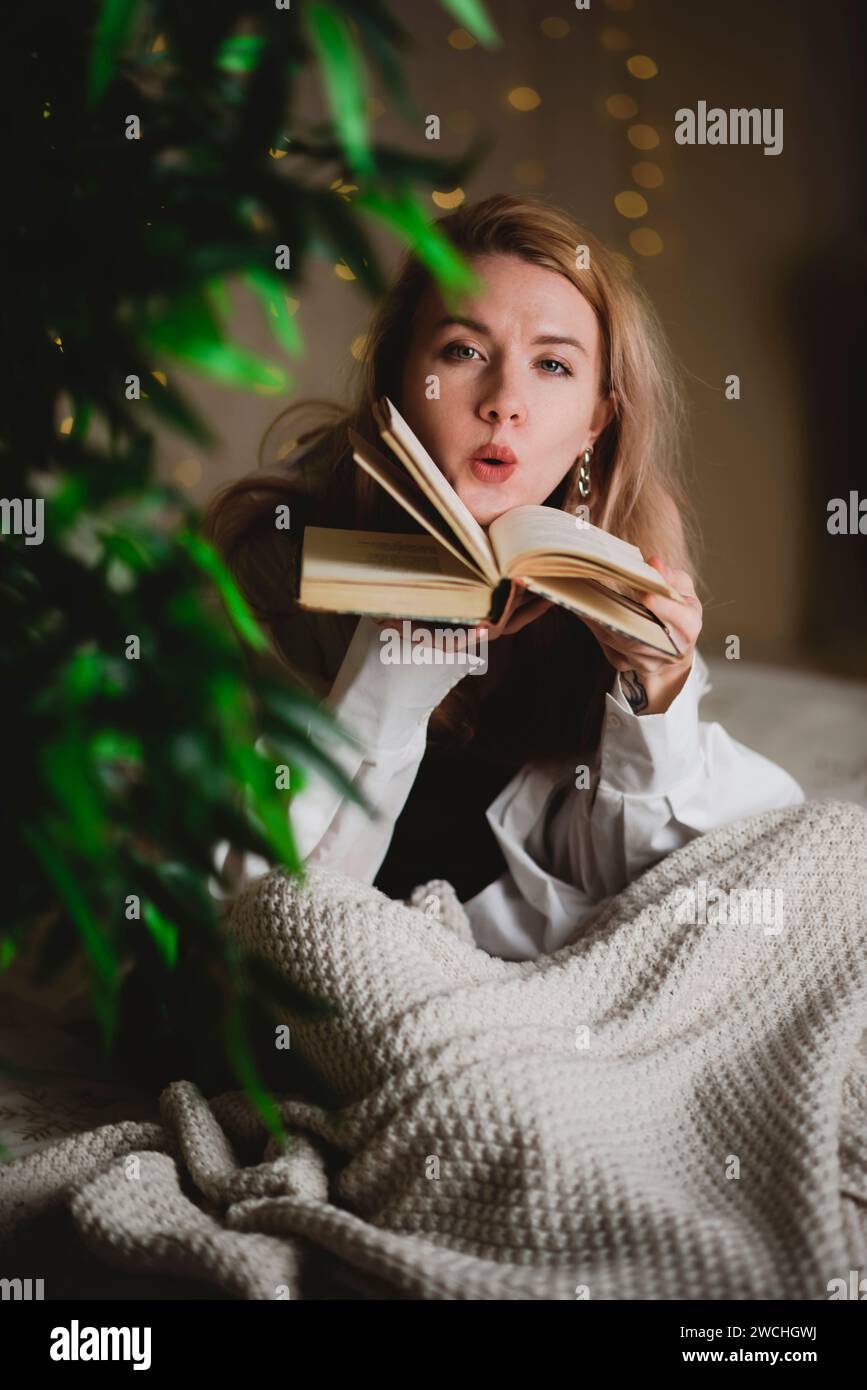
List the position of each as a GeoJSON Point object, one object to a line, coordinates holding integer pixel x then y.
{"type": "Point", "coordinates": [543, 338]}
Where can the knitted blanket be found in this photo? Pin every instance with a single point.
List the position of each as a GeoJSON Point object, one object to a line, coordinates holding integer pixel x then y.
{"type": "Point", "coordinates": [675, 1106]}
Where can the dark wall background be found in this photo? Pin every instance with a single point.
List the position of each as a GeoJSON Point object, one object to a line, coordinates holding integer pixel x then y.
{"type": "Point", "coordinates": [761, 271]}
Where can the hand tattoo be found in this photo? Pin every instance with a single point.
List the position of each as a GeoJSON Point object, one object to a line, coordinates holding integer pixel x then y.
{"type": "Point", "coordinates": [634, 691]}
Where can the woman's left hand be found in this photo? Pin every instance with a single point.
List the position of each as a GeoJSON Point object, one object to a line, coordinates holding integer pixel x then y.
{"type": "Point", "coordinates": [649, 678]}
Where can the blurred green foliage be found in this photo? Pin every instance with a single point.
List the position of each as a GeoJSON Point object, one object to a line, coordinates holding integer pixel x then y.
{"type": "Point", "coordinates": [126, 761]}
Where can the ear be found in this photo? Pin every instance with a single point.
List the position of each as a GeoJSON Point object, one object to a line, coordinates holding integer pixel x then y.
{"type": "Point", "coordinates": [602, 417]}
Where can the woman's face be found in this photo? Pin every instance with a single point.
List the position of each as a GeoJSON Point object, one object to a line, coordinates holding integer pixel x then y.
{"type": "Point", "coordinates": [518, 371]}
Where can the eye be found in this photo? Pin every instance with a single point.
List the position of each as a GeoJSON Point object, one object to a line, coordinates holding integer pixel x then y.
{"type": "Point", "coordinates": [454, 348]}
{"type": "Point", "coordinates": [554, 362]}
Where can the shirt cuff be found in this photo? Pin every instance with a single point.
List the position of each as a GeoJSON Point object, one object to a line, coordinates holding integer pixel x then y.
{"type": "Point", "coordinates": [385, 703]}
{"type": "Point", "coordinates": [651, 754]}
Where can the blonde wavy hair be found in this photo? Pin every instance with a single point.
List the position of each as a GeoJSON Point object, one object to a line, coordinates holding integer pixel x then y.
{"type": "Point", "coordinates": [637, 491]}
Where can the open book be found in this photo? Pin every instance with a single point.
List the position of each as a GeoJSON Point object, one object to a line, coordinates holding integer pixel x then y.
{"type": "Point", "coordinates": [454, 571]}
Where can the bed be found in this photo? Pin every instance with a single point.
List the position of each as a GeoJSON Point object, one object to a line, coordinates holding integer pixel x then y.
{"type": "Point", "coordinates": [813, 725]}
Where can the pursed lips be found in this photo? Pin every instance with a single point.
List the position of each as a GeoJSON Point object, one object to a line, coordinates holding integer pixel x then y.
{"type": "Point", "coordinates": [495, 453]}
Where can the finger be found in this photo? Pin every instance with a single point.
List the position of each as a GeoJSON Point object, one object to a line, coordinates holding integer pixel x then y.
{"type": "Point", "coordinates": [623, 652]}
{"type": "Point", "coordinates": [528, 613]}
{"type": "Point", "coordinates": [517, 601]}
{"type": "Point", "coordinates": [680, 580]}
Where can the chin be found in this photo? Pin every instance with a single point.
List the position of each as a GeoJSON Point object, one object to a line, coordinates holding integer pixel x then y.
{"type": "Point", "coordinates": [485, 501]}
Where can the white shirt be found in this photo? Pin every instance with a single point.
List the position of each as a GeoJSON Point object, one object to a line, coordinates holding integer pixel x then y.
{"type": "Point", "coordinates": [658, 781]}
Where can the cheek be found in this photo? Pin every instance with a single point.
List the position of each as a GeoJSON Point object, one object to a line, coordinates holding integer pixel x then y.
{"type": "Point", "coordinates": [424, 416]}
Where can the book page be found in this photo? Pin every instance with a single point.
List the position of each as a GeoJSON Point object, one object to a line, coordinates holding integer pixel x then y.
{"type": "Point", "coordinates": [422, 469]}
{"type": "Point", "coordinates": [334, 556]}
{"type": "Point", "coordinates": [589, 601]}
{"type": "Point", "coordinates": [523, 536]}
{"type": "Point", "coordinates": [401, 487]}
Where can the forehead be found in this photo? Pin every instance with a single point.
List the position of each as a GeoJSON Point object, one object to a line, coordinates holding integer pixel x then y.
{"type": "Point", "coordinates": [515, 296]}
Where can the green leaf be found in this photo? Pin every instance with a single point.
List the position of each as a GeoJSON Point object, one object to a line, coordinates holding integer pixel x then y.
{"type": "Point", "coordinates": [113, 745]}
{"type": "Point", "coordinates": [345, 82]}
{"type": "Point", "coordinates": [206, 557]}
{"type": "Point", "coordinates": [245, 1069]}
{"type": "Point", "coordinates": [190, 331]}
{"type": "Point", "coordinates": [66, 504]}
{"type": "Point", "coordinates": [474, 17]}
{"type": "Point", "coordinates": [97, 947]}
{"type": "Point", "coordinates": [406, 215]}
{"type": "Point", "coordinates": [164, 933]}
{"type": "Point", "coordinates": [296, 707]}
{"type": "Point", "coordinates": [127, 548]}
{"type": "Point", "coordinates": [271, 289]}
{"type": "Point", "coordinates": [240, 53]}
{"type": "Point", "coordinates": [111, 32]}
{"type": "Point", "coordinates": [68, 771]}
{"type": "Point", "coordinates": [251, 769]}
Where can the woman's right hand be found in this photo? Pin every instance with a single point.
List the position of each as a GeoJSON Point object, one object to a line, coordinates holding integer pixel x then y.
{"type": "Point", "coordinates": [522, 608]}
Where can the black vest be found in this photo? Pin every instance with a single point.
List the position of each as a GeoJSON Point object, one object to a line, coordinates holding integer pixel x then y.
{"type": "Point", "coordinates": [442, 831]}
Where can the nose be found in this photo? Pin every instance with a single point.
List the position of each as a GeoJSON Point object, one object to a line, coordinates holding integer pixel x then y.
{"type": "Point", "coordinates": [501, 400]}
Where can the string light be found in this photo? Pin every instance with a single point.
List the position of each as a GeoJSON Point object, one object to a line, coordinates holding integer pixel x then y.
{"type": "Point", "coordinates": [645, 241]}
{"type": "Point", "coordinates": [187, 472]}
{"type": "Point", "coordinates": [630, 204]}
{"type": "Point", "coordinates": [461, 121]}
{"type": "Point", "coordinates": [613, 39]}
{"type": "Point", "coordinates": [554, 28]}
{"type": "Point", "coordinates": [449, 200]}
{"type": "Point", "coordinates": [639, 65]}
{"type": "Point", "coordinates": [621, 106]}
{"type": "Point", "coordinates": [647, 174]}
{"type": "Point", "coordinates": [530, 172]}
{"type": "Point", "coordinates": [643, 137]}
{"type": "Point", "coordinates": [524, 98]}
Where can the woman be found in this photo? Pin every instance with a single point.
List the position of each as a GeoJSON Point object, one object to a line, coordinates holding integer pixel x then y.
{"type": "Point", "coordinates": [577, 760]}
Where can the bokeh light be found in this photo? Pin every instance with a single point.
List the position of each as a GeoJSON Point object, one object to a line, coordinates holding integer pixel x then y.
{"type": "Point", "coordinates": [554, 28]}
{"type": "Point", "coordinates": [639, 65]}
{"type": "Point", "coordinates": [524, 98]}
{"type": "Point", "coordinates": [647, 174]}
{"type": "Point", "coordinates": [461, 121]}
{"type": "Point", "coordinates": [187, 472]}
{"type": "Point", "coordinates": [530, 172]}
{"type": "Point", "coordinates": [643, 137]}
{"type": "Point", "coordinates": [630, 204]}
{"type": "Point", "coordinates": [621, 106]}
{"type": "Point", "coordinates": [452, 199]}
{"type": "Point", "coordinates": [613, 39]}
{"type": "Point", "coordinates": [645, 241]}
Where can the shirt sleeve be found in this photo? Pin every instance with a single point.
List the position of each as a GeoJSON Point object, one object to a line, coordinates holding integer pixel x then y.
{"type": "Point", "coordinates": [574, 837]}
{"type": "Point", "coordinates": [664, 779]}
{"type": "Point", "coordinates": [386, 708]}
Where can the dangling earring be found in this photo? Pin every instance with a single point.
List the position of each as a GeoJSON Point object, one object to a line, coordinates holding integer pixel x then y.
{"type": "Point", "coordinates": [584, 472]}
